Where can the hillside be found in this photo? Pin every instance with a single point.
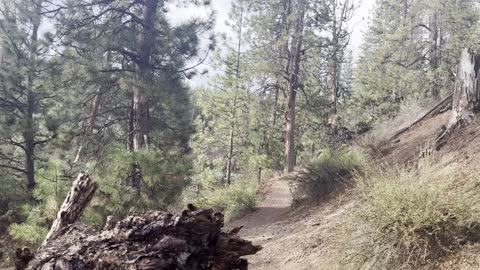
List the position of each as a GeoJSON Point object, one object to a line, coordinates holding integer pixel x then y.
{"type": "Point", "coordinates": [309, 236]}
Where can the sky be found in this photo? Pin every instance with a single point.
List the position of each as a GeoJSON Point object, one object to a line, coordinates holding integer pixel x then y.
{"type": "Point", "coordinates": [358, 25]}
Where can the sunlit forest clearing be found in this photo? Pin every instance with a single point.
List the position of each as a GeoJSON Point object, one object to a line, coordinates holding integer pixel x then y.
{"type": "Point", "coordinates": [247, 134]}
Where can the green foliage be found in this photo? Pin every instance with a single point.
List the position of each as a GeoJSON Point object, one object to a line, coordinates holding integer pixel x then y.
{"type": "Point", "coordinates": [235, 199]}
{"type": "Point", "coordinates": [411, 217]}
{"type": "Point", "coordinates": [324, 174]}
{"type": "Point", "coordinates": [164, 174]}
{"type": "Point", "coordinates": [12, 195]}
{"type": "Point", "coordinates": [51, 189]}
{"type": "Point", "coordinates": [33, 234]}
{"type": "Point", "coordinates": [410, 52]}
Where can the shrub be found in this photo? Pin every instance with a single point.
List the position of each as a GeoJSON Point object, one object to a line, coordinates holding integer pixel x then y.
{"type": "Point", "coordinates": [49, 193]}
{"type": "Point", "coordinates": [409, 218]}
{"type": "Point", "coordinates": [164, 175]}
{"type": "Point", "coordinates": [323, 175]}
{"type": "Point", "coordinates": [236, 199]}
{"type": "Point", "coordinates": [31, 233]}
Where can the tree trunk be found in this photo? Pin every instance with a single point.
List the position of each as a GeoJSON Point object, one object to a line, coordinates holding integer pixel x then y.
{"type": "Point", "coordinates": [434, 54]}
{"type": "Point", "coordinates": [293, 84]}
{"type": "Point", "coordinates": [140, 109]}
{"type": "Point", "coordinates": [334, 70]}
{"type": "Point", "coordinates": [88, 130]}
{"type": "Point", "coordinates": [290, 159]}
{"type": "Point", "coordinates": [29, 138]}
{"type": "Point", "coordinates": [29, 132]}
{"type": "Point", "coordinates": [466, 96]}
{"type": "Point", "coordinates": [230, 158]}
{"type": "Point", "coordinates": [234, 108]}
{"type": "Point", "coordinates": [140, 119]}
{"type": "Point", "coordinates": [78, 198]}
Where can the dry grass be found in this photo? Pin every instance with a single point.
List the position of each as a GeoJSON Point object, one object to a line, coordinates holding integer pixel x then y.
{"type": "Point", "coordinates": [409, 218]}
{"type": "Point", "coordinates": [322, 176]}
{"type": "Point", "coordinates": [235, 200]}
{"type": "Point", "coordinates": [375, 140]}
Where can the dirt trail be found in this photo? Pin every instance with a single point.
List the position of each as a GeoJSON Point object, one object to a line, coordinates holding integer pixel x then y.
{"type": "Point", "coordinates": [292, 238]}
{"type": "Point", "coordinates": [274, 206]}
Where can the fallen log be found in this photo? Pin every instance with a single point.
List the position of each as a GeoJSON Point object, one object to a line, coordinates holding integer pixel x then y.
{"type": "Point", "coordinates": [441, 107]}
{"type": "Point", "coordinates": [157, 240]}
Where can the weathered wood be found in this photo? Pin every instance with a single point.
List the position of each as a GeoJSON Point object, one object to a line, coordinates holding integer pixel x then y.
{"type": "Point", "coordinates": [155, 240]}
{"type": "Point", "coordinates": [466, 96]}
{"type": "Point", "coordinates": [78, 198]}
{"type": "Point", "coordinates": [440, 107]}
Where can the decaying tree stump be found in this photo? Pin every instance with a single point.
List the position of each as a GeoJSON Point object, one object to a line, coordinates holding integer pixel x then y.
{"type": "Point", "coordinates": [466, 96]}
{"type": "Point", "coordinates": [77, 199]}
{"type": "Point", "coordinates": [155, 240]}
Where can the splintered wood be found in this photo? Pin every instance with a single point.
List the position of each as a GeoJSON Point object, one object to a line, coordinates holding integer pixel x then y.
{"type": "Point", "coordinates": [154, 240]}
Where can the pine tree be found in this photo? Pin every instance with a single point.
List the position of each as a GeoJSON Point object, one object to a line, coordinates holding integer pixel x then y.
{"type": "Point", "coordinates": [29, 88]}
{"type": "Point", "coordinates": [143, 64]}
{"type": "Point", "coordinates": [224, 109]}
{"type": "Point", "coordinates": [410, 52]}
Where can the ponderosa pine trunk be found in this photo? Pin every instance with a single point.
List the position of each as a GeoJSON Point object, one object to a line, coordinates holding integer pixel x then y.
{"type": "Point", "coordinates": [293, 84]}
{"type": "Point", "coordinates": [29, 131]}
{"type": "Point", "coordinates": [434, 54]}
{"type": "Point", "coordinates": [466, 96]}
{"type": "Point", "coordinates": [231, 146]}
{"type": "Point", "coordinates": [139, 122]}
{"type": "Point", "coordinates": [29, 138]}
{"type": "Point", "coordinates": [334, 67]}
{"type": "Point", "coordinates": [140, 109]}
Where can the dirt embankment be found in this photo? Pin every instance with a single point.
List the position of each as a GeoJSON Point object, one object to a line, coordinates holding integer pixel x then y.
{"type": "Point", "coordinates": [292, 238]}
{"type": "Point", "coordinates": [306, 237]}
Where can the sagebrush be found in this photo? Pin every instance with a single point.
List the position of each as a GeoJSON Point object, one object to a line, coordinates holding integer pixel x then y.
{"type": "Point", "coordinates": [328, 172]}
{"type": "Point", "coordinates": [236, 199]}
{"type": "Point", "coordinates": [411, 217]}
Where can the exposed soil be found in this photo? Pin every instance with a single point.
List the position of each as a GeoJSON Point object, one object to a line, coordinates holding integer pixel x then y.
{"type": "Point", "coordinates": [306, 237]}
{"type": "Point", "coordinates": [463, 145]}
{"type": "Point", "coordinates": [274, 206]}
{"type": "Point", "coordinates": [293, 238]}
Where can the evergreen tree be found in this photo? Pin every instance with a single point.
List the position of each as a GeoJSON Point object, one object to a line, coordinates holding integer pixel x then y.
{"type": "Point", "coordinates": [29, 88]}
{"type": "Point", "coordinates": [397, 64]}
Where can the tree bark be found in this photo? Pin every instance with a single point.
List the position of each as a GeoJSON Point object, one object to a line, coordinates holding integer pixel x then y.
{"type": "Point", "coordinates": [334, 63]}
{"type": "Point", "coordinates": [466, 96]}
{"type": "Point", "coordinates": [231, 145]}
{"type": "Point", "coordinates": [293, 84]}
{"type": "Point", "coordinates": [140, 109]}
{"type": "Point", "coordinates": [156, 240]}
{"type": "Point", "coordinates": [29, 132]}
{"type": "Point", "coordinates": [230, 158]}
{"type": "Point", "coordinates": [434, 53]}
{"type": "Point", "coordinates": [29, 138]}
{"type": "Point", "coordinates": [78, 198]}
{"type": "Point", "coordinates": [337, 49]}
